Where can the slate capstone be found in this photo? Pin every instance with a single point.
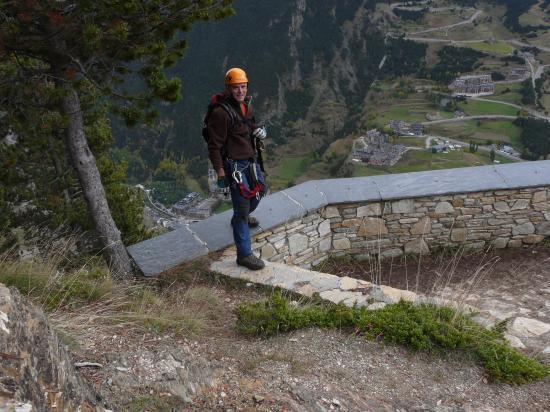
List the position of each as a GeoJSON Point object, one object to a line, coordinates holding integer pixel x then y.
{"type": "Point", "coordinates": [164, 252]}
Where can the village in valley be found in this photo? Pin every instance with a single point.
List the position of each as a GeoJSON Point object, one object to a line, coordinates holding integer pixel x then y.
{"type": "Point", "coordinates": [413, 123]}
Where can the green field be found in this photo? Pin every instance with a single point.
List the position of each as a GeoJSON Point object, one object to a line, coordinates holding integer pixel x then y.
{"type": "Point", "coordinates": [507, 93]}
{"type": "Point", "coordinates": [419, 160]}
{"type": "Point", "coordinates": [496, 130]}
{"type": "Point", "coordinates": [478, 107]}
{"type": "Point", "coordinates": [411, 110]}
{"type": "Point", "coordinates": [288, 170]}
{"type": "Point", "coordinates": [410, 141]}
{"type": "Point", "coordinates": [497, 47]}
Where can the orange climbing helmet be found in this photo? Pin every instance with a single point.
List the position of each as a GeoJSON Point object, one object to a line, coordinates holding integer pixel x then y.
{"type": "Point", "coordinates": [235, 76]}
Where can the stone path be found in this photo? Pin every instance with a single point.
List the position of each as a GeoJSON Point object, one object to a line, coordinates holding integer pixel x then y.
{"type": "Point", "coordinates": [527, 315]}
{"type": "Point", "coordinates": [525, 329]}
{"type": "Point", "coordinates": [346, 290]}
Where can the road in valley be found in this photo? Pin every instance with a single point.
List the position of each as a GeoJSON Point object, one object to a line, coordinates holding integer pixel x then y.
{"type": "Point", "coordinates": [466, 118]}
{"type": "Point", "coordinates": [464, 144]}
{"type": "Point", "coordinates": [452, 26]}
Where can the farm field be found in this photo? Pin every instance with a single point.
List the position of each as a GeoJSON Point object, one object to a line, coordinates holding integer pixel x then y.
{"type": "Point", "coordinates": [419, 160]}
{"type": "Point", "coordinates": [478, 107]}
{"type": "Point", "coordinates": [409, 110]}
{"type": "Point", "coordinates": [507, 92]}
{"type": "Point", "coordinates": [288, 170]}
{"type": "Point", "coordinates": [410, 141]}
{"type": "Point", "coordinates": [498, 47]}
{"type": "Point", "coordinates": [504, 131]}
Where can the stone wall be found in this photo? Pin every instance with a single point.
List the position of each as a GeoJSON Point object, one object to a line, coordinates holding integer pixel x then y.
{"type": "Point", "coordinates": [503, 204]}
{"type": "Point", "coordinates": [498, 219]}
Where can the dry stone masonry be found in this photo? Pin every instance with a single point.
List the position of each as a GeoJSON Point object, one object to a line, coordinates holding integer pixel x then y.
{"type": "Point", "coordinates": [497, 219]}
{"type": "Point", "coordinates": [489, 206]}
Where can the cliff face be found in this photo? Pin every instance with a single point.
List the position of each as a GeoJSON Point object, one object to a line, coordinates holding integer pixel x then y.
{"type": "Point", "coordinates": [310, 65]}
{"type": "Point", "coordinates": [35, 369]}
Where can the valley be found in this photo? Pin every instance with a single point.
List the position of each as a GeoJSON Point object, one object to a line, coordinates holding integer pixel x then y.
{"type": "Point", "coordinates": [489, 121]}
{"type": "Point", "coordinates": [313, 122]}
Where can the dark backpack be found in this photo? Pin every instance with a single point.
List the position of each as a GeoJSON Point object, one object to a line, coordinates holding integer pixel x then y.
{"type": "Point", "coordinates": [215, 101]}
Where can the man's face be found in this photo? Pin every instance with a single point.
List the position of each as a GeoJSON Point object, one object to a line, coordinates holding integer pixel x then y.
{"type": "Point", "coordinates": [238, 91]}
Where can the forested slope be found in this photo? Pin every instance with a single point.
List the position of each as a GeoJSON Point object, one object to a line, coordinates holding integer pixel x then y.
{"type": "Point", "coordinates": [310, 65]}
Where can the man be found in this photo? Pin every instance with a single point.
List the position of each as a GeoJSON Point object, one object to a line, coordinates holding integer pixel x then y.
{"type": "Point", "coordinates": [233, 141]}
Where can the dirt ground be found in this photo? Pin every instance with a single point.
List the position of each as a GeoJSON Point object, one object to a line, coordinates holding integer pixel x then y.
{"type": "Point", "coordinates": [316, 370]}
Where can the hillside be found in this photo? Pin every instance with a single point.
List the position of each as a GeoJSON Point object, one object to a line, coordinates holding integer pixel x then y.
{"type": "Point", "coordinates": [312, 67]}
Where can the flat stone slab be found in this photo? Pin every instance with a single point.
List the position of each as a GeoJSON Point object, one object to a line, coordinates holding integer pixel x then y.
{"type": "Point", "coordinates": [525, 174]}
{"type": "Point", "coordinates": [310, 195]}
{"type": "Point", "coordinates": [216, 231]}
{"type": "Point", "coordinates": [346, 290]}
{"type": "Point", "coordinates": [439, 182]}
{"type": "Point", "coordinates": [527, 327]}
{"type": "Point", "coordinates": [161, 253]}
{"type": "Point", "coordinates": [349, 190]}
{"type": "Point", "coordinates": [277, 209]}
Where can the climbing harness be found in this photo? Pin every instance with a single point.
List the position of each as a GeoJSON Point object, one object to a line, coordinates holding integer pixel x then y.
{"type": "Point", "coordinates": [247, 193]}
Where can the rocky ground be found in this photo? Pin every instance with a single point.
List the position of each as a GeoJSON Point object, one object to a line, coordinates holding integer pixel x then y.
{"type": "Point", "coordinates": [317, 370]}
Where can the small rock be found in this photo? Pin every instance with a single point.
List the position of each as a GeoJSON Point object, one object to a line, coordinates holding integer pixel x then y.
{"type": "Point", "coordinates": [258, 398]}
{"type": "Point", "coordinates": [336, 402]}
{"type": "Point", "coordinates": [376, 305]}
{"type": "Point", "coordinates": [526, 327]}
{"type": "Point", "coordinates": [514, 341]}
{"type": "Point", "coordinates": [223, 394]}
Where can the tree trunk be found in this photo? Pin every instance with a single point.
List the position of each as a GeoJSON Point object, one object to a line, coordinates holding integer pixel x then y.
{"type": "Point", "coordinates": [85, 166]}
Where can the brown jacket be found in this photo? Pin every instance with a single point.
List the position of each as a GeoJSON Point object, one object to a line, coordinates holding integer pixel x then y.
{"type": "Point", "coordinates": [225, 142]}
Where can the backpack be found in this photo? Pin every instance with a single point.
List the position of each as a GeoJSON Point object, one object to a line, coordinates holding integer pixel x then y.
{"type": "Point", "coordinates": [215, 101]}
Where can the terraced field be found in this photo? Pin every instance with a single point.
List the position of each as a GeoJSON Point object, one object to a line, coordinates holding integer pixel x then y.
{"type": "Point", "coordinates": [478, 107]}
{"type": "Point", "coordinates": [498, 47]}
{"type": "Point", "coordinates": [507, 93]}
{"type": "Point", "coordinates": [410, 110]}
{"type": "Point", "coordinates": [419, 160]}
{"type": "Point", "coordinates": [496, 130]}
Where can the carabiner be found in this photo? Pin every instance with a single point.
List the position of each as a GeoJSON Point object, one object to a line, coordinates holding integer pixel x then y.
{"type": "Point", "coordinates": [237, 176]}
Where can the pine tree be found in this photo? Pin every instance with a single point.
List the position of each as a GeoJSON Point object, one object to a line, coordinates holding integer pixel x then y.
{"type": "Point", "coordinates": [60, 61]}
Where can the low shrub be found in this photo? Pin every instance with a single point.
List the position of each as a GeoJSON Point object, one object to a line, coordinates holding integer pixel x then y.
{"type": "Point", "coordinates": [419, 327]}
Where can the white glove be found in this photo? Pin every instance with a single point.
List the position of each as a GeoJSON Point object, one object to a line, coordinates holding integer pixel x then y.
{"type": "Point", "coordinates": [259, 133]}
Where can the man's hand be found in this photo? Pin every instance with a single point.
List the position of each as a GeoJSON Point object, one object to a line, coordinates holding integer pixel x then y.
{"type": "Point", "coordinates": [221, 182]}
{"type": "Point", "coordinates": [259, 133]}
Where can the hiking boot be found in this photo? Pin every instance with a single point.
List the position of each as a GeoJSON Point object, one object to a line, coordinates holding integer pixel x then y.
{"type": "Point", "coordinates": [251, 262]}
{"type": "Point", "coordinates": [253, 222]}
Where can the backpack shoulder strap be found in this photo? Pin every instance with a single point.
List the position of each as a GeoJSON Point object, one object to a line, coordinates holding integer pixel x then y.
{"type": "Point", "coordinates": [231, 112]}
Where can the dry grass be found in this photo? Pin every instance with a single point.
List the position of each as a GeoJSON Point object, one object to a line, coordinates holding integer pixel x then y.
{"type": "Point", "coordinates": [86, 300]}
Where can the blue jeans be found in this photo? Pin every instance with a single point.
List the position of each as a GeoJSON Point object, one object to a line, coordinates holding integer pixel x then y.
{"type": "Point", "coordinates": [242, 207]}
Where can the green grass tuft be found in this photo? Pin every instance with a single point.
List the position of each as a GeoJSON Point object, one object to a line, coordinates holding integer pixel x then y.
{"type": "Point", "coordinates": [52, 288]}
{"type": "Point", "coordinates": [419, 327]}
